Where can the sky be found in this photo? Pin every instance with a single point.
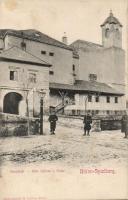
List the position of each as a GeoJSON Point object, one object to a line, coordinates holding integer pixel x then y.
{"type": "Point", "coordinates": [80, 19]}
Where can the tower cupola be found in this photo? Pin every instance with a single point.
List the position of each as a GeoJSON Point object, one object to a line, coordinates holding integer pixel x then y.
{"type": "Point", "coordinates": [111, 32]}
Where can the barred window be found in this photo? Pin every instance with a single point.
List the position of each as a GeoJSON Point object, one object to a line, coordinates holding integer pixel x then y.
{"type": "Point", "coordinates": [32, 77]}
{"type": "Point", "coordinates": [92, 77]}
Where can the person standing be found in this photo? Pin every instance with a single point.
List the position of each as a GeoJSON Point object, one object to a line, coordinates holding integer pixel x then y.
{"type": "Point", "coordinates": [87, 124]}
{"type": "Point", "coordinates": [52, 119]}
{"type": "Point", "coordinates": [124, 125]}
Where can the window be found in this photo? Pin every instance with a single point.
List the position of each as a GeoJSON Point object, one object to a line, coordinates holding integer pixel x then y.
{"type": "Point", "coordinates": [51, 54]}
{"type": "Point", "coordinates": [117, 33]}
{"type": "Point", "coordinates": [97, 99]}
{"type": "Point", "coordinates": [13, 75]}
{"type": "Point", "coordinates": [73, 112]}
{"type": "Point", "coordinates": [89, 98]}
{"type": "Point", "coordinates": [23, 46]}
{"type": "Point", "coordinates": [37, 34]}
{"type": "Point", "coordinates": [43, 52]}
{"type": "Point", "coordinates": [73, 67]}
{"type": "Point", "coordinates": [108, 99]}
{"type": "Point", "coordinates": [116, 99]}
{"type": "Point", "coordinates": [116, 112]}
{"type": "Point", "coordinates": [32, 77]}
{"type": "Point", "coordinates": [108, 112]}
{"type": "Point", "coordinates": [97, 111]}
{"type": "Point", "coordinates": [78, 112]}
{"type": "Point", "coordinates": [107, 32]}
{"type": "Point", "coordinates": [51, 72]}
{"type": "Point", "coordinates": [92, 77]}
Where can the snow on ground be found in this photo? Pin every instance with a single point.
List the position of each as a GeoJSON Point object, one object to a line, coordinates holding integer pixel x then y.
{"type": "Point", "coordinates": [48, 166]}
{"type": "Point", "coordinates": [68, 148]}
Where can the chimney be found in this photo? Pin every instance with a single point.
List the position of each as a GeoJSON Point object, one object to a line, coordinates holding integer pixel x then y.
{"type": "Point", "coordinates": [64, 39]}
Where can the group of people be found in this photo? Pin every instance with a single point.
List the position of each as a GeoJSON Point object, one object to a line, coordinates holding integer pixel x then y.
{"type": "Point", "coordinates": [87, 124]}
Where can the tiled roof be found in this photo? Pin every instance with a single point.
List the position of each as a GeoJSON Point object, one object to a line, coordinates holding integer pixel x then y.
{"type": "Point", "coordinates": [83, 44]}
{"type": "Point", "coordinates": [111, 20]}
{"type": "Point", "coordinates": [87, 86]}
{"type": "Point", "coordinates": [16, 54]}
{"type": "Point", "coordinates": [34, 35]}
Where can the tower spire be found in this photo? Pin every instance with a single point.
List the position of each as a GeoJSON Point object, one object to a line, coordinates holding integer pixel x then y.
{"type": "Point", "coordinates": [111, 13]}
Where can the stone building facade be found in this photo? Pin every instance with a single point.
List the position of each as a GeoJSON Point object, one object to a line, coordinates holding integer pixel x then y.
{"type": "Point", "coordinates": [83, 76]}
{"type": "Point", "coordinates": [104, 62]}
{"type": "Point", "coordinates": [22, 79]}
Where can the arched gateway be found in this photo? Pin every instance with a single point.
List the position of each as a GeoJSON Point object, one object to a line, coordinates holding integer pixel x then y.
{"type": "Point", "coordinates": [11, 103]}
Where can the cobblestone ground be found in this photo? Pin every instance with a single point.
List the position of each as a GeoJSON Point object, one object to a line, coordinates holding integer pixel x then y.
{"type": "Point", "coordinates": [68, 147]}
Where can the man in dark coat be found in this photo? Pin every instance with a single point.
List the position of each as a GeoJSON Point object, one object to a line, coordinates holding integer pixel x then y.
{"type": "Point", "coordinates": [52, 119]}
{"type": "Point", "coordinates": [87, 124]}
{"type": "Point", "coordinates": [124, 125]}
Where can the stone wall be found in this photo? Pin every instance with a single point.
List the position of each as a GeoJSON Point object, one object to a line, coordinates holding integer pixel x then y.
{"type": "Point", "coordinates": [14, 125]}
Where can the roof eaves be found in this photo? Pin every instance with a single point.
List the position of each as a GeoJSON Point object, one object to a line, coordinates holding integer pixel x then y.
{"type": "Point", "coordinates": [37, 39]}
{"type": "Point", "coordinates": [23, 61]}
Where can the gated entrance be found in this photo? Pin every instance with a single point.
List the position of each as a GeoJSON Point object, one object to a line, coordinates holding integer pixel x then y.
{"type": "Point", "coordinates": [11, 103]}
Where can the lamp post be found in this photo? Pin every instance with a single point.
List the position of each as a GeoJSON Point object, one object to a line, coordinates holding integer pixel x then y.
{"type": "Point", "coordinates": [42, 95]}
{"type": "Point", "coordinates": [86, 99]}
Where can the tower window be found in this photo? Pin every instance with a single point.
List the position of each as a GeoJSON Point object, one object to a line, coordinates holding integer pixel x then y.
{"type": "Point", "coordinates": [13, 75]}
{"type": "Point", "coordinates": [107, 32]}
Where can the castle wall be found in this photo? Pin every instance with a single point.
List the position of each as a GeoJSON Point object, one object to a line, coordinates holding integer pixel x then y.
{"type": "Point", "coordinates": [108, 64]}
{"type": "Point", "coordinates": [61, 61]}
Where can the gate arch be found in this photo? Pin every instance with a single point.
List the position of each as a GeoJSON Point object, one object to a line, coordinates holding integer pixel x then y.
{"type": "Point", "coordinates": [11, 103]}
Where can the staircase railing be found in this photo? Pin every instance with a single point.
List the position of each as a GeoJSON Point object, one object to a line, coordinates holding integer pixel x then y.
{"type": "Point", "coordinates": [62, 105]}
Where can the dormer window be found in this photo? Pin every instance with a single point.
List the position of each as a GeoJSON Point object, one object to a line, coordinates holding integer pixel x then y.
{"type": "Point", "coordinates": [23, 46]}
{"type": "Point", "coordinates": [37, 34]}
